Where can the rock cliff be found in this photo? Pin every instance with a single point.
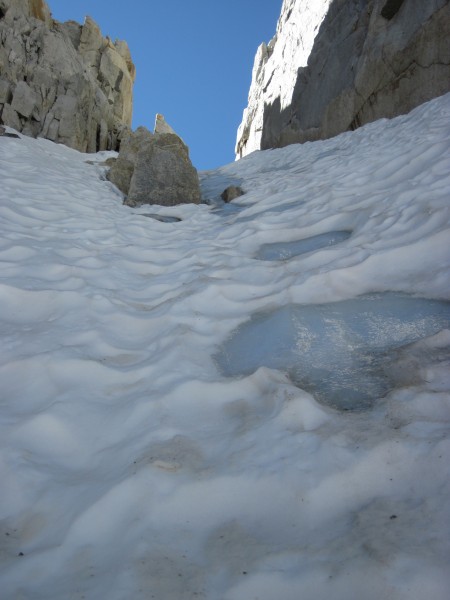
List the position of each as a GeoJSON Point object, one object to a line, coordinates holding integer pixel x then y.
{"type": "Point", "coordinates": [335, 65]}
{"type": "Point", "coordinates": [63, 81]}
{"type": "Point", "coordinates": [276, 65]}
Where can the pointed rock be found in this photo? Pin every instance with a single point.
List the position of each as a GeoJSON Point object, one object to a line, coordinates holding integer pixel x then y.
{"type": "Point", "coordinates": [161, 126]}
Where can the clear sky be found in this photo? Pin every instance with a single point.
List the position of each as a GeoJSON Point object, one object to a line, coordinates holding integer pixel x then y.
{"type": "Point", "coordinates": [194, 61]}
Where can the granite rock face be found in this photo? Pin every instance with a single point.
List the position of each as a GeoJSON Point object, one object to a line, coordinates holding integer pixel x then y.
{"type": "Point", "coordinates": [63, 81]}
{"type": "Point", "coordinates": [276, 65]}
{"type": "Point", "coordinates": [155, 168]}
{"type": "Point", "coordinates": [369, 59]}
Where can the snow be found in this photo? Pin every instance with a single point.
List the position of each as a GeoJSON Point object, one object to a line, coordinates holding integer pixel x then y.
{"type": "Point", "coordinates": [132, 466]}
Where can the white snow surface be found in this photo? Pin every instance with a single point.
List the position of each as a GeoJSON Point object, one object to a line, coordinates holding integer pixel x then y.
{"type": "Point", "coordinates": [131, 467]}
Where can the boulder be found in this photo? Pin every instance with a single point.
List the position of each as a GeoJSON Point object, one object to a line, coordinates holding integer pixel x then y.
{"type": "Point", "coordinates": [231, 193]}
{"type": "Point", "coordinates": [154, 168]}
{"type": "Point", "coordinates": [63, 81]}
{"type": "Point", "coordinates": [367, 60]}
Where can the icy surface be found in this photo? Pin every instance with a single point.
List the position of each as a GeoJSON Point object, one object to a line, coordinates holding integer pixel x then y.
{"type": "Point", "coordinates": [131, 467]}
{"type": "Point", "coordinates": [286, 250]}
{"type": "Point", "coordinates": [339, 352]}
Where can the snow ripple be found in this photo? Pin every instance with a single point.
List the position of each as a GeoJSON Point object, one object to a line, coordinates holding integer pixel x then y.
{"type": "Point", "coordinates": [131, 466]}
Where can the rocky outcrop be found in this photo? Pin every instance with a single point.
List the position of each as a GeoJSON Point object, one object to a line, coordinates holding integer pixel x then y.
{"type": "Point", "coordinates": [63, 81]}
{"type": "Point", "coordinates": [369, 59]}
{"type": "Point", "coordinates": [276, 66]}
{"type": "Point", "coordinates": [154, 168]}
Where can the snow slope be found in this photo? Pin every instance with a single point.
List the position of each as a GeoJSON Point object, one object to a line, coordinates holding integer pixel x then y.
{"type": "Point", "coordinates": [132, 466]}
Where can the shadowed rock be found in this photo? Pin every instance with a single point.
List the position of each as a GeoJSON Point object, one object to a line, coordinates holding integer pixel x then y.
{"type": "Point", "coordinates": [391, 8]}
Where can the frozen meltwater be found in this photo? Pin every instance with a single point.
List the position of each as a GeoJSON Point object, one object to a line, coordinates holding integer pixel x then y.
{"type": "Point", "coordinates": [286, 250]}
{"type": "Point", "coordinates": [339, 351]}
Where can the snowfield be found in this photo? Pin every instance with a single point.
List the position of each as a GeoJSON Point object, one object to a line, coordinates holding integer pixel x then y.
{"type": "Point", "coordinates": [168, 424]}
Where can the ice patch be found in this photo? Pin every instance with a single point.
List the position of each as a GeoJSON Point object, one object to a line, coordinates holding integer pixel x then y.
{"type": "Point", "coordinates": [339, 351]}
{"type": "Point", "coordinates": [286, 250]}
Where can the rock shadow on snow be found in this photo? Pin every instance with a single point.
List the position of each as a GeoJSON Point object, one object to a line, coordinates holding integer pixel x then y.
{"type": "Point", "coordinates": [161, 218]}
{"type": "Point", "coordinates": [340, 352]}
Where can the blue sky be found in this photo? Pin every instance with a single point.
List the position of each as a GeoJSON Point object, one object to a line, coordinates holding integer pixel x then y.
{"type": "Point", "coordinates": [194, 60]}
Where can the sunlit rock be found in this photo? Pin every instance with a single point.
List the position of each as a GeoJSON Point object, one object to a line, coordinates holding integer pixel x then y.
{"type": "Point", "coordinates": [63, 81]}
{"type": "Point", "coordinates": [161, 126]}
{"type": "Point", "coordinates": [334, 66]}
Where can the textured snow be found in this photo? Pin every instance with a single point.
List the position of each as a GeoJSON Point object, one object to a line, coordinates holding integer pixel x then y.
{"type": "Point", "coordinates": [132, 467]}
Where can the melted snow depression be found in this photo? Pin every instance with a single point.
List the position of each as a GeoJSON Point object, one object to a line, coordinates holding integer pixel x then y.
{"type": "Point", "coordinates": [229, 402]}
